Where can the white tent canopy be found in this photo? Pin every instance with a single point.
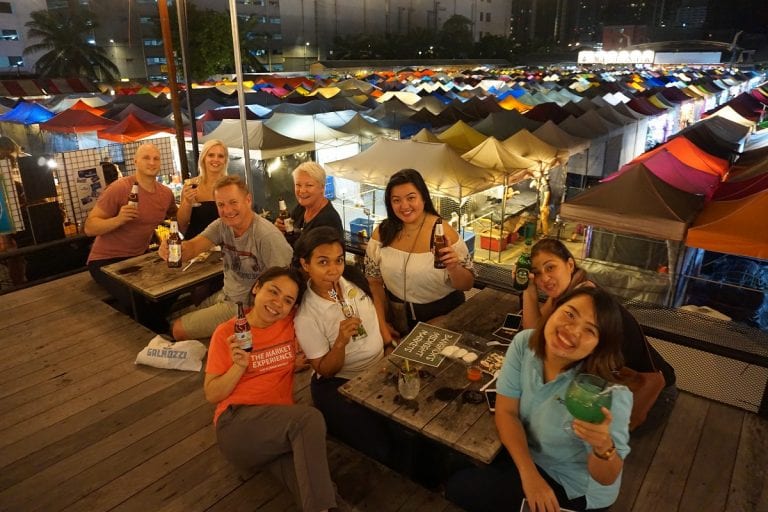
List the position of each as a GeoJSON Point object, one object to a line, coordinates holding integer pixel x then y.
{"type": "Point", "coordinates": [445, 172]}
{"type": "Point", "coordinates": [263, 142]}
{"type": "Point", "coordinates": [309, 129]}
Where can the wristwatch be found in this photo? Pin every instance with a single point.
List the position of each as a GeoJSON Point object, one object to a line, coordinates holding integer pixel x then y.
{"type": "Point", "coordinates": [607, 454]}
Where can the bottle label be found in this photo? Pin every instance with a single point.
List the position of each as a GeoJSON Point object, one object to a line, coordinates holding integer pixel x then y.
{"type": "Point", "coordinates": [521, 277]}
{"type": "Point", "coordinates": [244, 340]}
{"type": "Point", "coordinates": [174, 253]}
{"type": "Point", "coordinates": [288, 225]}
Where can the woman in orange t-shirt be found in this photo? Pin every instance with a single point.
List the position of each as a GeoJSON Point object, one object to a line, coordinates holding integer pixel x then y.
{"type": "Point", "coordinates": [257, 423]}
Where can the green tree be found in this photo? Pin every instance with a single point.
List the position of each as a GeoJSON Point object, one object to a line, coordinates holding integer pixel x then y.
{"type": "Point", "coordinates": [64, 39]}
{"type": "Point", "coordinates": [210, 34]}
{"type": "Point", "coordinates": [455, 38]}
{"type": "Point", "coordinates": [493, 47]}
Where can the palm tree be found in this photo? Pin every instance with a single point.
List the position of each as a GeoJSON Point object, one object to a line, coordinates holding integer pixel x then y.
{"type": "Point", "coordinates": [64, 39]}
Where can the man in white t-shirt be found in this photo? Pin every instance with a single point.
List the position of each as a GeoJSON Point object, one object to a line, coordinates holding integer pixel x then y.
{"type": "Point", "coordinates": [249, 244]}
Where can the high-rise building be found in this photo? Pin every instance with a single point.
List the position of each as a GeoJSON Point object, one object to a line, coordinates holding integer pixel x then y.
{"type": "Point", "coordinates": [14, 14]}
{"type": "Point", "coordinates": [293, 33]}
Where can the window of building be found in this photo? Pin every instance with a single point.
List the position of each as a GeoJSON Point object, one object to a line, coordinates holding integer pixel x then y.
{"type": "Point", "coordinates": [277, 36]}
{"type": "Point", "coordinates": [488, 17]}
{"type": "Point", "coordinates": [275, 20]}
{"type": "Point", "coordinates": [153, 42]}
{"type": "Point", "coordinates": [5, 8]}
{"type": "Point", "coordinates": [10, 35]}
{"type": "Point", "coordinates": [155, 60]}
{"type": "Point", "coordinates": [11, 61]}
{"type": "Point", "coordinates": [147, 20]}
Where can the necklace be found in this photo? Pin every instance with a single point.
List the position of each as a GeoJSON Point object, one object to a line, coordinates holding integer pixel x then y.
{"type": "Point", "coordinates": [406, 233]}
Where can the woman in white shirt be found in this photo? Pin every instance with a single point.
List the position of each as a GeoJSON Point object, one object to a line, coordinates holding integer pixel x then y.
{"type": "Point", "coordinates": [400, 266]}
{"type": "Point", "coordinates": [337, 328]}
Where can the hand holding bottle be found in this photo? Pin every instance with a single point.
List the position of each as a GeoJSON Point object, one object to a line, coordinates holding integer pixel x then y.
{"type": "Point", "coordinates": [127, 213]}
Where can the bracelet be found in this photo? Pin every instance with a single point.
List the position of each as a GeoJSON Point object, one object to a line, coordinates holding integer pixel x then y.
{"type": "Point", "coordinates": [607, 454]}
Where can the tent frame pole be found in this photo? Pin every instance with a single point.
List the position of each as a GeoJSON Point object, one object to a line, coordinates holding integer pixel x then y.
{"type": "Point", "coordinates": [241, 94]}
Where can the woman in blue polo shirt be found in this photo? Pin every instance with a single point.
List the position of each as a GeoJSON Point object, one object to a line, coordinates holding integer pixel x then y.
{"type": "Point", "coordinates": [557, 461]}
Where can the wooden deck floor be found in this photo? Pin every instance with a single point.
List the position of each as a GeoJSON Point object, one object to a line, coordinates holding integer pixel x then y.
{"type": "Point", "coordinates": [84, 429]}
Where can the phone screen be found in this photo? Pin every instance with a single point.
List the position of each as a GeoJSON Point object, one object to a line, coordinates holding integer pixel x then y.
{"type": "Point", "coordinates": [513, 321]}
{"type": "Point", "coordinates": [490, 397]}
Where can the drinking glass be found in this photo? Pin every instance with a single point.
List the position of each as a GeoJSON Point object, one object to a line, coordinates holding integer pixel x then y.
{"type": "Point", "coordinates": [408, 383]}
{"type": "Point", "coordinates": [192, 182]}
{"type": "Point", "coordinates": [586, 394]}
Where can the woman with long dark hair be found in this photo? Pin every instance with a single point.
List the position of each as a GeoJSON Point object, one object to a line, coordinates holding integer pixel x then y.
{"type": "Point", "coordinates": [555, 273]}
{"type": "Point", "coordinates": [556, 460]}
{"type": "Point", "coordinates": [257, 422]}
{"type": "Point", "coordinates": [400, 266]}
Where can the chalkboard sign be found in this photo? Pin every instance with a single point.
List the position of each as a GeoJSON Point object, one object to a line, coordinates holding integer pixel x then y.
{"type": "Point", "coordinates": [424, 343]}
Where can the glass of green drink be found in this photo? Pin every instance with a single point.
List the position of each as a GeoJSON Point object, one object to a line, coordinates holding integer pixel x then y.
{"type": "Point", "coordinates": [586, 394]}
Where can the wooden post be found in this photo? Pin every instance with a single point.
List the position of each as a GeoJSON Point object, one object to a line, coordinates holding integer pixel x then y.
{"type": "Point", "coordinates": [165, 26]}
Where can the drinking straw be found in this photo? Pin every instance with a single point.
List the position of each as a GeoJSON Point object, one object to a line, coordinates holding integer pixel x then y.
{"type": "Point", "coordinates": [407, 369]}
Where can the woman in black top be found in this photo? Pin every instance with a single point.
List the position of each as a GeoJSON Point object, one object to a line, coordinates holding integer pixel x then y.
{"type": "Point", "coordinates": [198, 209]}
{"type": "Point", "coordinates": [313, 208]}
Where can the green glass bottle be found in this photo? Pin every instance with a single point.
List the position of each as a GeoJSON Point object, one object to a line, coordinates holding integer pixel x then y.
{"type": "Point", "coordinates": [523, 267]}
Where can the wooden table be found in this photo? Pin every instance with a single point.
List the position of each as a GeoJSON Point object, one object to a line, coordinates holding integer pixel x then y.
{"type": "Point", "coordinates": [464, 427]}
{"type": "Point", "coordinates": [150, 276]}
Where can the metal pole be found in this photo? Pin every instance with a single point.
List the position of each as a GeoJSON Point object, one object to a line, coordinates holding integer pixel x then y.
{"type": "Point", "coordinates": [181, 13]}
{"type": "Point", "coordinates": [165, 26]}
{"type": "Point", "coordinates": [241, 94]}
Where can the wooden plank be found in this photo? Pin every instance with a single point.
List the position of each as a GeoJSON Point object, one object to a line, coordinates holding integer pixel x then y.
{"type": "Point", "coordinates": [665, 480]}
{"type": "Point", "coordinates": [216, 486]}
{"type": "Point", "coordinates": [149, 275]}
{"type": "Point", "coordinates": [84, 399]}
{"type": "Point", "coordinates": [636, 466]}
{"type": "Point", "coordinates": [86, 356]}
{"type": "Point", "coordinates": [253, 494]}
{"type": "Point", "coordinates": [193, 473]}
{"type": "Point", "coordinates": [386, 490]}
{"type": "Point", "coordinates": [148, 414]}
{"type": "Point", "coordinates": [26, 313]}
{"type": "Point", "coordinates": [749, 485]}
{"type": "Point", "coordinates": [481, 441]}
{"type": "Point", "coordinates": [421, 500]}
{"type": "Point", "coordinates": [159, 386]}
{"type": "Point", "coordinates": [81, 282]}
{"type": "Point", "coordinates": [450, 375]}
{"type": "Point", "coordinates": [29, 402]}
{"type": "Point", "coordinates": [147, 474]}
{"type": "Point", "coordinates": [709, 480]}
{"type": "Point", "coordinates": [37, 350]}
{"type": "Point", "coordinates": [70, 479]}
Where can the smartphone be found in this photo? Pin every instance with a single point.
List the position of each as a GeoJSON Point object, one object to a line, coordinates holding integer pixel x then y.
{"type": "Point", "coordinates": [525, 508]}
{"type": "Point", "coordinates": [490, 398]}
{"type": "Point", "coordinates": [510, 327]}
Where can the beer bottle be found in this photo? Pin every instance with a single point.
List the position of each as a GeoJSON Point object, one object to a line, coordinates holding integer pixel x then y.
{"type": "Point", "coordinates": [438, 242]}
{"type": "Point", "coordinates": [174, 246]}
{"type": "Point", "coordinates": [133, 197]}
{"type": "Point", "coordinates": [523, 267]}
{"type": "Point", "coordinates": [287, 220]}
{"type": "Point", "coordinates": [243, 329]}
